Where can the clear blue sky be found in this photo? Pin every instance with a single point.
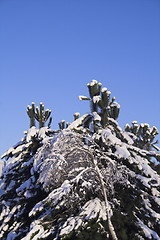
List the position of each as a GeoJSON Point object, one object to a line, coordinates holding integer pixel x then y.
{"type": "Point", "coordinates": [50, 50]}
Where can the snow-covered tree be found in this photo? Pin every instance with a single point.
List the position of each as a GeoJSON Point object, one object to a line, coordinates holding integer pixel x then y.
{"type": "Point", "coordinates": [101, 106]}
{"type": "Point", "coordinates": [144, 135]}
{"type": "Point", "coordinates": [83, 182]}
{"type": "Point", "coordinates": [39, 114]}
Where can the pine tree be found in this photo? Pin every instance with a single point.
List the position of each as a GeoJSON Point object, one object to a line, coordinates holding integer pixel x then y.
{"type": "Point", "coordinates": [102, 108]}
{"type": "Point", "coordinates": [91, 180]}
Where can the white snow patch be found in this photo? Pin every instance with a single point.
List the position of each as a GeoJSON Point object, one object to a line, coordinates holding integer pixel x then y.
{"type": "Point", "coordinates": [83, 98]}
{"type": "Point", "coordinates": [115, 104]}
{"type": "Point", "coordinates": [107, 136]}
{"type": "Point", "coordinates": [93, 82]}
{"type": "Point", "coordinates": [20, 148]}
{"type": "Point", "coordinates": [122, 151]}
{"type": "Point", "coordinates": [54, 196]}
{"type": "Point", "coordinates": [32, 132]}
{"type": "Point", "coordinates": [78, 122]}
{"type": "Point", "coordinates": [104, 89]}
{"type": "Point", "coordinates": [149, 233]}
{"type": "Point", "coordinates": [128, 138]}
{"type": "Point", "coordinates": [92, 208]}
{"type": "Point", "coordinates": [1, 166]}
{"type": "Point", "coordinates": [89, 211]}
{"type": "Point", "coordinates": [96, 99]}
{"type": "Point", "coordinates": [96, 117]}
{"type": "Point", "coordinates": [7, 152]}
{"type": "Point", "coordinates": [42, 132]}
{"type": "Point", "coordinates": [38, 229]}
{"type": "Point", "coordinates": [70, 224]}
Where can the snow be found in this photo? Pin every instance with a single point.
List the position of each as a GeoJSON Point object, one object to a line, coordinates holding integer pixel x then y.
{"type": "Point", "coordinates": [10, 214]}
{"type": "Point", "coordinates": [38, 229]}
{"type": "Point", "coordinates": [65, 164]}
{"type": "Point", "coordinates": [104, 90]}
{"type": "Point", "coordinates": [57, 194]}
{"type": "Point", "coordinates": [54, 196]}
{"type": "Point", "coordinates": [70, 224]}
{"type": "Point", "coordinates": [90, 210]}
{"type": "Point", "coordinates": [93, 82]}
{"type": "Point", "coordinates": [1, 166]}
{"type": "Point", "coordinates": [146, 125]}
{"type": "Point", "coordinates": [134, 122]}
{"type": "Point", "coordinates": [115, 104]}
{"type": "Point", "coordinates": [143, 164]}
{"type": "Point", "coordinates": [5, 212]}
{"type": "Point", "coordinates": [77, 114]}
{"type": "Point", "coordinates": [122, 152]}
{"type": "Point", "coordinates": [128, 138]}
{"type": "Point", "coordinates": [32, 132]}
{"type": "Point", "coordinates": [78, 122]}
{"type": "Point", "coordinates": [148, 207]}
{"type": "Point", "coordinates": [149, 233]}
{"type": "Point", "coordinates": [83, 98]}
{"type": "Point", "coordinates": [107, 136]}
{"type": "Point", "coordinates": [96, 99]}
{"type": "Point", "coordinates": [20, 148]}
{"type": "Point", "coordinates": [42, 132]}
{"type": "Point", "coordinates": [96, 117]}
{"type": "Point", "coordinates": [37, 208]}
{"type": "Point", "coordinates": [7, 152]}
{"type": "Point", "coordinates": [155, 192]}
{"type": "Point", "coordinates": [12, 235]}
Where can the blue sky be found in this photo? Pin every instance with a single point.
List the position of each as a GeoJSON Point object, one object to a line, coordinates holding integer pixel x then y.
{"type": "Point", "coordinates": [50, 50]}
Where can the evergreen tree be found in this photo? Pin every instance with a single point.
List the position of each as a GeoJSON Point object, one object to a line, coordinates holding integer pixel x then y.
{"type": "Point", "coordinates": [90, 180]}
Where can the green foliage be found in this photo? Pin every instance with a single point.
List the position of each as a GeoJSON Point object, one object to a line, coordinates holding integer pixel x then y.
{"type": "Point", "coordinates": [100, 102]}
{"type": "Point", "coordinates": [76, 115]}
{"type": "Point", "coordinates": [91, 230]}
{"type": "Point", "coordinates": [31, 113]}
{"type": "Point", "coordinates": [145, 135]}
{"type": "Point", "coordinates": [63, 125]}
{"type": "Point", "coordinates": [39, 114]}
{"type": "Point", "coordinates": [42, 116]}
{"type": "Point", "coordinates": [127, 177]}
